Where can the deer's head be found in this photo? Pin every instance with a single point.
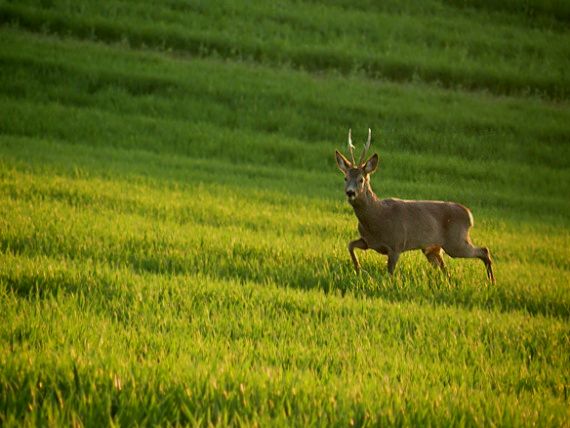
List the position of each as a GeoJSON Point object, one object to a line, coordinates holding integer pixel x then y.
{"type": "Point", "coordinates": [356, 175]}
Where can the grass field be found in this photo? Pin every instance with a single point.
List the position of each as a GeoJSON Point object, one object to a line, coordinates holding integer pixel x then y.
{"type": "Point", "coordinates": [173, 227]}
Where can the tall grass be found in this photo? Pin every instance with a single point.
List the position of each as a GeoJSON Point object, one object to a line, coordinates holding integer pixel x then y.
{"type": "Point", "coordinates": [433, 43]}
{"type": "Point", "coordinates": [173, 230]}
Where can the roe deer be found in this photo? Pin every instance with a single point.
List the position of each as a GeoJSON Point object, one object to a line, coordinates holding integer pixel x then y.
{"type": "Point", "coordinates": [392, 226]}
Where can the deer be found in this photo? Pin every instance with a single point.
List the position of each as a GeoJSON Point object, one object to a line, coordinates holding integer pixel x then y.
{"type": "Point", "coordinates": [393, 226]}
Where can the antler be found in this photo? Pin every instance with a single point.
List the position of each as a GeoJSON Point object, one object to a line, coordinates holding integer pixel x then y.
{"type": "Point", "coordinates": [366, 147]}
{"type": "Point", "coordinates": [350, 146]}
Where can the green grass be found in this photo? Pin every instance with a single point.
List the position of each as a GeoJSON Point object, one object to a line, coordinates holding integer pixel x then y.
{"type": "Point", "coordinates": [432, 42]}
{"type": "Point", "coordinates": [173, 229]}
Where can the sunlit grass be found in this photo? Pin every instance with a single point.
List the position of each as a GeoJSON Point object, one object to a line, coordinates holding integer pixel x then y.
{"type": "Point", "coordinates": [244, 351]}
{"type": "Point", "coordinates": [173, 229]}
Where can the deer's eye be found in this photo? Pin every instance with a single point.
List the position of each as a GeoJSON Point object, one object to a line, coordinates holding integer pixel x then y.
{"type": "Point", "coordinates": [345, 179]}
{"type": "Point", "coordinates": [361, 180]}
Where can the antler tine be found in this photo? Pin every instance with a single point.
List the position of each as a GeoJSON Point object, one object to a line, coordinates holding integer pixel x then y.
{"type": "Point", "coordinates": [351, 146]}
{"type": "Point", "coordinates": [366, 147]}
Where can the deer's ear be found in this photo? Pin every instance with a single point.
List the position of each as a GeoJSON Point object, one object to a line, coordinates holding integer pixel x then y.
{"type": "Point", "coordinates": [343, 163]}
{"type": "Point", "coordinates": [371, 164]}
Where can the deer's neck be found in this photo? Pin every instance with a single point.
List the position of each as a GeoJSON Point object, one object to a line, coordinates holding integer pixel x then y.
{"type": "Point", "coordinates": [365, 205]}
{"type": "Point", "coordinates": [366, 208]}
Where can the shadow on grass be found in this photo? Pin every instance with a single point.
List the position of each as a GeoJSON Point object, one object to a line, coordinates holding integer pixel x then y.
{"type": "Point", "coordinates": [242, 264]}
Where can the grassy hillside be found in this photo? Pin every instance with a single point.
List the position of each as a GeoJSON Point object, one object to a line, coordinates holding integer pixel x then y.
{"type": "Point", "coordinates": [173, 229]}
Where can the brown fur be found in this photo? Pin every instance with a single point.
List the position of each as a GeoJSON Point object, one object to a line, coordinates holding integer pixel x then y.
{"type": "Point", "coordinates": [392, 226]}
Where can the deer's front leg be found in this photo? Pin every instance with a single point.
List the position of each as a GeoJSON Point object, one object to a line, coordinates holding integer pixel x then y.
{"type": "Point", "coordinates": [359, 243]}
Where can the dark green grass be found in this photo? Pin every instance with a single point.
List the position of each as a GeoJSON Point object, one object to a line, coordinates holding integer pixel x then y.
{"type": "Point", "coordinates": [434, 42]}
{"type": "Point", "coordinates": [190, 98]}
{"type": "Point", "coordinates": [173, 230]}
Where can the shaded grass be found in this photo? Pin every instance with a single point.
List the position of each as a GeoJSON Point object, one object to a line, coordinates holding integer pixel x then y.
{"type": "Point", "coordinates": [147, 90]}
{"type": "Point", "coordinates": [448, 48]}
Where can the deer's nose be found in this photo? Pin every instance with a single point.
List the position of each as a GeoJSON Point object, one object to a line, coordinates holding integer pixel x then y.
{"type": "Point", "coordinates": [350, 193]}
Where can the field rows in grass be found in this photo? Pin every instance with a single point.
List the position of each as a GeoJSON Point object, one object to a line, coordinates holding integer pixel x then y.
{"type": "Point", "coordinates": [409, 117]}
{"type": "Point", "coordinates": [191, 346]}
{"type": "Point", "coordinates": [515, 191]}
{"type": "Point", "coordinates": [517, 154]}
{"type": "Point", "coordinates": [236, 232]}
{"type": "Point", "coordinates": [438, 43]}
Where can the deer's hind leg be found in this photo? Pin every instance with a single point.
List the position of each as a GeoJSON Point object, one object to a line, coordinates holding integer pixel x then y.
{"type": "Point", "coordinates": [359, 243]}
{"type": "Point", "coordinates": [434, 256]}
{"type": "Point", "coordinates": [464, 249]}
{"type": "Point", "coordinates": [392, 261]}
{"type": "Point", "coordinates": [488, 263]}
